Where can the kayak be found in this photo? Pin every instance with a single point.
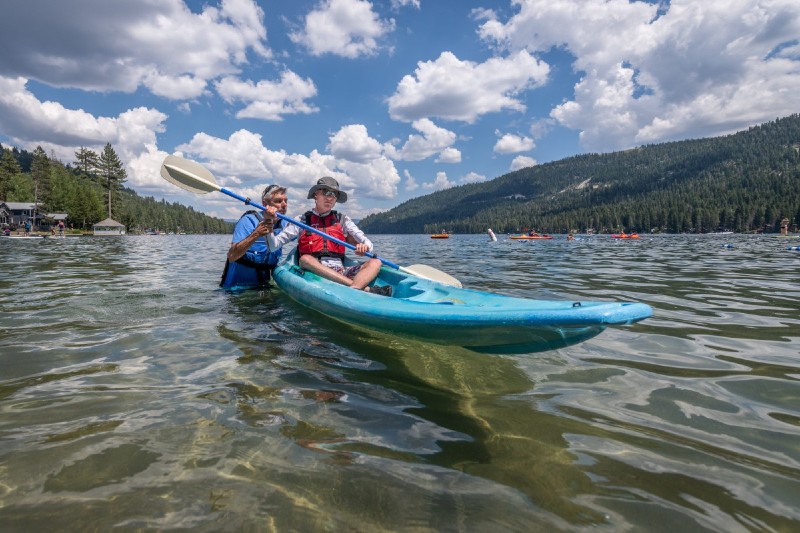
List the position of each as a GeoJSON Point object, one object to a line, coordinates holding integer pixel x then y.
{"type": "Point", "coordinates": [442, 314]}
{"type": "Point", "coordinates": [440, 236]}
{"type": "Point", "coordinates": [624, 235]}
{"type": "Point", "coordinates": [530, 237]}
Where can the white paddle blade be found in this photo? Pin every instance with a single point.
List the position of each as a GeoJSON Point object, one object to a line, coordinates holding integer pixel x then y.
{"type": "Point", "coordinates": [433, 274]}
{"type": "Point", "coordinates": [188, 175]}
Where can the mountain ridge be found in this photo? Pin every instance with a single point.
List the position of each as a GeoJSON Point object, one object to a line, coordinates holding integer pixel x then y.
{"type": "Point", "coordinates": [745, 181]}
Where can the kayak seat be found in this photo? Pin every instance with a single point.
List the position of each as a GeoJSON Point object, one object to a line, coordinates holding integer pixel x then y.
{"type": "Point", "coordinates": [406, 289]}
{"type": "Point", "coordinates": [433, 295]}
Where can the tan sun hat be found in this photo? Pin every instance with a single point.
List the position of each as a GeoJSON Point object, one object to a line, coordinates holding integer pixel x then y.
{"type": "Point", "coordinates": [327, 182]}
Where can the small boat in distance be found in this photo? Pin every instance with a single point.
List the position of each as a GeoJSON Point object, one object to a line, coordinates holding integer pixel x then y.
{"type": "Point", "coordinates": [624, 235]}
{"type": "Point", "coordinates": [442, 235]}
{"type": "Point", "coordinates": [530, 237]}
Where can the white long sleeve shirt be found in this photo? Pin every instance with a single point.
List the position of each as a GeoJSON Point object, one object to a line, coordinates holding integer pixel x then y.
{"type": "Point", "coordinates": [292, 231]}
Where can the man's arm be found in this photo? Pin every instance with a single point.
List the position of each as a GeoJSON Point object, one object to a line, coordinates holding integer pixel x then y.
{"type": "Point", "coordinates": [238, 249]}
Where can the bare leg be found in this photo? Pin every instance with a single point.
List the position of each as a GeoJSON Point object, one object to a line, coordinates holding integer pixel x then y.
{"type": "Point", "coordinates": [367, 273]}
{"type": "Point", "coordinates": [364, 277]}
{"type": "Point", "coordinates": [309, 262]}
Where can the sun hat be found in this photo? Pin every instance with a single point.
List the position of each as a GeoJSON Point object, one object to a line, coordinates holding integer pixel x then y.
{"type": "Point", "coordinates": [327, 182]}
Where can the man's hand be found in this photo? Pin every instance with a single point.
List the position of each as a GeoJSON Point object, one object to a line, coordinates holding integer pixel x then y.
{"type": "Point", "coordinates": [264, 227]}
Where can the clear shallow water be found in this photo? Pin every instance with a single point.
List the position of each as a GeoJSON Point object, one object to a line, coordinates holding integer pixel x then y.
{"type": "Point", "coordinates": [134, 394]}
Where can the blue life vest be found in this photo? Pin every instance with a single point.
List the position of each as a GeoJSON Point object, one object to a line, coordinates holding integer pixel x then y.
{"type": "Point", "coordinates": [255, 267]}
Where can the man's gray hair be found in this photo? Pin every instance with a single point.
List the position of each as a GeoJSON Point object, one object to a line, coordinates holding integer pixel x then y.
{"type": "Point", "coordinates": [271, 191]}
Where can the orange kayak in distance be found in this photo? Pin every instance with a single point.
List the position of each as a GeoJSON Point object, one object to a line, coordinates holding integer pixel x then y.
{"type": "Point", "coordinates": [624, 235]}
{"type": "Point", "coordinates": [530, 237]}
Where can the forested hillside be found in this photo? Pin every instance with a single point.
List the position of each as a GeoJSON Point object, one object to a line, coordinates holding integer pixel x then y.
{"type": "Point", "coordinates": [743, 182]}
{"type": "Point", "coordinates": [82, 190]}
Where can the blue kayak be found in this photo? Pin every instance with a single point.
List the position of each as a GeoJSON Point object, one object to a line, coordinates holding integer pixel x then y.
{"type": "Point", "coordinates": [441, 314]}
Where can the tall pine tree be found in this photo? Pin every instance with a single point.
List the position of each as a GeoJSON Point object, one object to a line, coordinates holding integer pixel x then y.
{"type": "Point", "coordinates": [8, 169]}
{"type": "Point", "coordinates": [112, 172]}
{"type": "Point", "coordinates": [86, 161]}
{"type": "Point", "coordinates": [40, 173]}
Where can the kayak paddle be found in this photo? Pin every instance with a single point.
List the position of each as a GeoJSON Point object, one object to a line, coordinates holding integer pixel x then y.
{"type": "Point", "coordinates": [194, 177]}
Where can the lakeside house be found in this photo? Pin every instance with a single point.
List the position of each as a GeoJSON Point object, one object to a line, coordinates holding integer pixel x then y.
{"type": "Point", "coordinates": [108, 227]}
{"type": "Point", "coordinates": [17, 213]}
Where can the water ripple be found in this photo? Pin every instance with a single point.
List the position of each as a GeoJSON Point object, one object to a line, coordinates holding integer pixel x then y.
{"type": "Point", "coordinates": [135, 394]}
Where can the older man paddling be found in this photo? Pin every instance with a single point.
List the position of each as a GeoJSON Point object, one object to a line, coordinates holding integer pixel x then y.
{"type": "Point", "coordinates": [250, 262]}
{"type": "Point", "coordinates": [325, 257]}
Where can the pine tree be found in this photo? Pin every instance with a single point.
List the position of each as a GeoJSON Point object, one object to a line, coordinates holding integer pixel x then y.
{"type": "Point", "coordinates": [87, 205]}
{"type": "Point", "coordinates": [86, 161]}
{"type": "Point", "coordinates": [40, 172]}
{"type": "Point", "coordinates": [112, 171]}
{"type": "Point", "coordinates": [21, 188]}
{"type": "Point", "coordinates": [8, 169]}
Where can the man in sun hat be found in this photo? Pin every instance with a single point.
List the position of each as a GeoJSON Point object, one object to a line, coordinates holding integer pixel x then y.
{"type": "Point", "coordinates": [250, 263]}
{"type": "Point", "coordinates": [325, 257]}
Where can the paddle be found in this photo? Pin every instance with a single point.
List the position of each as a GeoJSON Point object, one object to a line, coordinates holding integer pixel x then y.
{"type": "Point", "coordinates": [194, 177]}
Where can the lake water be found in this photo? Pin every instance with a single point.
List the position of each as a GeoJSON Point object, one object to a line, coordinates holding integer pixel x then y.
{"type": "Point", "coordinates": [134, 394]}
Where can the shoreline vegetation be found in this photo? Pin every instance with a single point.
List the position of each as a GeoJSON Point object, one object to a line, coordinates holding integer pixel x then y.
{"type": "Point", "coordinates": [90, 189]}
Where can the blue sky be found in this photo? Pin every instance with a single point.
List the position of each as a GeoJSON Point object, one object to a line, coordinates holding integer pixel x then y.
{"type": "Point", "coordinates": [394, 98]}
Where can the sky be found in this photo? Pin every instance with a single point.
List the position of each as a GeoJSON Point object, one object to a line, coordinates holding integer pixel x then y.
{"type": "Point", "coordinates": [394, 98]}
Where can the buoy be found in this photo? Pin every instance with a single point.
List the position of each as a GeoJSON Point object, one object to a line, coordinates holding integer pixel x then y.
{"type": "Point", "coordinates": [492, 235]}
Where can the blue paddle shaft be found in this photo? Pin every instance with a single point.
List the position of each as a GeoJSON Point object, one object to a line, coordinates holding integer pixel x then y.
{"type": "Point", "coordinates": [306, 227]}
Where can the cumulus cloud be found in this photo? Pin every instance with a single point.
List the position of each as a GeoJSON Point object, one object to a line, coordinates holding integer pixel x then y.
{"type": "Point", "coordinates": [411, 183]}
{"type": "Point", "coordinates": [473, 177]}
{"type": "Point", "coordinates": [241, 160]}
{"type": "Point", "coordinates": [166, 48]}
{"type": "Point", "coordinates": [522, 161]}
{"type": "Point", "coordinates": [433, 140]}
{"type": "Point", "coordinates": [653, 72]}
{"type": "Point", "coordinates": [440, 183]}
{"type": "Point", "coordinates": [269, 100]}
{"type": "Point", "coordinates": [511, 144]}
{"type": "Point", "coordinates": [453, 89]}
{"type": "Point", "coordinates": [62, 130]}
{"type": "Point", "coordinates": [363, 158]}
{"type": "Point", "coordinates": [347, 28]}
{"type": "Point", "coordinates": [449, 155]}
{"type": "Point", "coordinates": [355, 161]}
{"type": "Point", "coordinates": [353, 143]}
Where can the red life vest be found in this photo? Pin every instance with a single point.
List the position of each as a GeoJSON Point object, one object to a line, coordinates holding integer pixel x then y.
{"type": "Point", "coordinates": [311, 243]}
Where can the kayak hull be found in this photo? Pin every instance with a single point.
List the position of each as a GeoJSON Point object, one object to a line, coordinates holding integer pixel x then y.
{"type": "Point", "coordinates": [441, 314]}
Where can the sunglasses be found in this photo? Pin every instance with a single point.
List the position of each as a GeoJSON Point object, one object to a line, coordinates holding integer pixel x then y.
{"type": "Point", "coordinates": [270, 189]}
{"type": "Point", "coordinates": [330, 194]}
